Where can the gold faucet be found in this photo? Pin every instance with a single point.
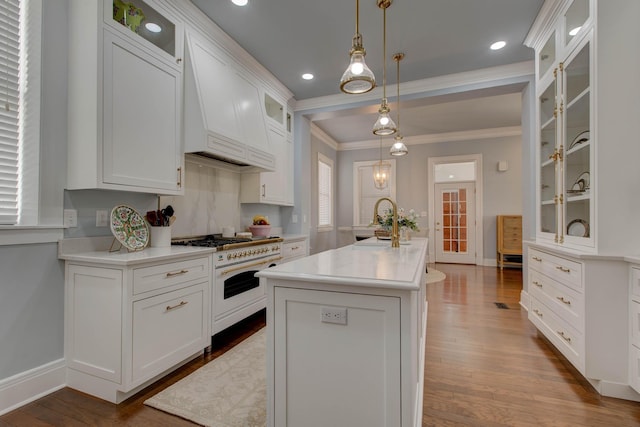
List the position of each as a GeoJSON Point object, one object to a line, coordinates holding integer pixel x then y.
{"type": "Point", "coordinates": [395, 241]}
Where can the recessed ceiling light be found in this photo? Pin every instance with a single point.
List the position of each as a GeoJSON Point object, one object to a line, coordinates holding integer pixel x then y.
{"type": "Point", "coordinates": [240, 2]}
{"type": "Point", "coordinates": [153, 27]}
{"type": "Point", "coordinates": [498, 45]}
{"type": "Point", "coordinates": [307, 76]}
{"type": "Point", "coordinates": [574, 31]}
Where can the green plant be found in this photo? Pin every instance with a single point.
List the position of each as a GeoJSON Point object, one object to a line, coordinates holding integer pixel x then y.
{"type": "Point", "coordinates": [405, 219]}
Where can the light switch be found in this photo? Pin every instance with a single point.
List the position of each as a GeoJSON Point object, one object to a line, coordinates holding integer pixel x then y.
{"type": "Point", "coordinates": [70, 217]}
{"type": "Point", "coordinates": [102, 218]}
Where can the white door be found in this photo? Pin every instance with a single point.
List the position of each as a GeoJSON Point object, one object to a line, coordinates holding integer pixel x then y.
{"type": "Point", "coordinates": [455, 227]}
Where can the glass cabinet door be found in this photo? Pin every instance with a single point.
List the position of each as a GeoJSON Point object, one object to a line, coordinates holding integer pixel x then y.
{"type": "Point", "coordinates": [547, 55]}
{"type": "Point", "coordinates": [577, 139]}
{"type": "Point", "coordinates": [144, 20]}
{"type": "Point", "coordinates": [574, 19]}
{"type": "Point", "coordinates": [547, 163]}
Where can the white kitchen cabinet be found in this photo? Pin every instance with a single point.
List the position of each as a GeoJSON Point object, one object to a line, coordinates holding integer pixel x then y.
{"type": "Point", "coordinates": [127, 325]}
{"type": "Point", "coordinates": [634, 326]}
{"type": "Point", "coordinates": [579, 303]}
{"type": "Point", "coordinates": [272, 187]}
{"type": "Point", "coordinates": [294, 248]}
{"type": "Point", "coordinates": [125, 102]}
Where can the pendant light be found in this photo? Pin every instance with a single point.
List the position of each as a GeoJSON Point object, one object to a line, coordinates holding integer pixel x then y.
{"type": "Point", "coordinates": [398, 148]}
{"type": "Point", "coordinates": [381, 172]}
{"type": "Point", "coordinates": [357, 78]}
{"type": "Point", "coordinates": [384, 126]}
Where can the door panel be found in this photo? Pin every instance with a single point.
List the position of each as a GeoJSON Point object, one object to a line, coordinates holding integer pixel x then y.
{"type": "Point", "coordinates": [455, 234]}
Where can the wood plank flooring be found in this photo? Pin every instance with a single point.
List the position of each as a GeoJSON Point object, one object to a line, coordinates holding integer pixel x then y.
{"type": "Point", "coordinates": [485, 366]}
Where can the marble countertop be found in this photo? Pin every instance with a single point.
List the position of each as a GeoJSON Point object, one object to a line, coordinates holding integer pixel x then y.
{"type": "Point", "coordinates": [371, 263]}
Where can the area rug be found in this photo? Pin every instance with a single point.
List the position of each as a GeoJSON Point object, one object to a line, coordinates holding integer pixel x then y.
{"type": "Point", "coordinates": [229, 391]}
{"type": "Point", "coordinates": [435, 276]}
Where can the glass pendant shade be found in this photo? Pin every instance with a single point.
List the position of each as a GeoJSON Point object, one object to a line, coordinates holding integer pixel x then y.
{"type": "Point", "coordinates": [357, 78]}
{"type": "Point", "coordinates": [381, 173]}
{"type": "Point", "coordinates": [385, 125]}
{"type": "Point", "coordinates": [398, 148]}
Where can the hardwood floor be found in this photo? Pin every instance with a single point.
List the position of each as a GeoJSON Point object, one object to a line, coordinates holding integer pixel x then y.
{"type": "Point", "coordinates": [485, 366]}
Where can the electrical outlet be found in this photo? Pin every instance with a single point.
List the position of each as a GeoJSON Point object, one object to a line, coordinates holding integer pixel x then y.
{"type": "Point", "coordinates": [294, 219]}
{"type": "Point", "coordinates": [334, 315]}
{"type": "Point", "coordinates": [102, 218]}
{"type": "Point", "coordinates": [70, 217]}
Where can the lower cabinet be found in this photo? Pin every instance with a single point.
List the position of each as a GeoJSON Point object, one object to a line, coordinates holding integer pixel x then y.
{"type": "Point", "coordinates": [634, 327]}
{"type": "Point", "coordinates": [125, 326]}
{"type": "Point", "coordinates": [579, 303]}
{"type": "Point", "coordinates": [294, 248]}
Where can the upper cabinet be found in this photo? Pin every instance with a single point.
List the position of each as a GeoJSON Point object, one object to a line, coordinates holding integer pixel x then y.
{"type": "Point", "coordinates": [587, 90]}
{"type": "Point", "coordinates": [125, 97]}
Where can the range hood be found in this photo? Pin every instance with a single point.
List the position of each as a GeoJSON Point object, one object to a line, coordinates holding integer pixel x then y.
{"type": "Point", "coordinates": [224, 116]}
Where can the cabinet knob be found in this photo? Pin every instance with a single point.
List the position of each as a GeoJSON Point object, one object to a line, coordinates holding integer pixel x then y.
{"type": "Point", "coordinates": [178, 60]}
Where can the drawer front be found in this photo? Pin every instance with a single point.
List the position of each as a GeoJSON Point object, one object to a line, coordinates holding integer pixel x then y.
{"type": "Point", "coordinates": [563, 300]}
{"type": "Point", "coordinates": [156, 277]}
{"type": "Point", "coordinates": [564, 337]}
{"type": "Point", "coordinates": [635, 283]}
{"type": "Point", "coordinates": [167, 329]}
{"type": "Point", "coordinates": [563, 270]}
{"type": "Point", "coordinates": [294, 249]}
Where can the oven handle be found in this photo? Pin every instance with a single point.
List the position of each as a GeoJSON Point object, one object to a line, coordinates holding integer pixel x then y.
{"type": "Point", "coordinates": [245, 266]}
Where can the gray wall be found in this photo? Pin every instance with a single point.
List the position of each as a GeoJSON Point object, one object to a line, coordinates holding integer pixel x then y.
{"type": "Point", "coordinates": [32, 278]}
{"type": "Point", "coordinates": [502, 192]}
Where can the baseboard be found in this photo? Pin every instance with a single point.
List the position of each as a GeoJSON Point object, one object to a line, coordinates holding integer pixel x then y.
{"type": "Point", "coordinates": [524, 300]}
{"type": "Point", "coordinates": [31, 385]}
{"type": "Point", "coordinates": [617, 390]}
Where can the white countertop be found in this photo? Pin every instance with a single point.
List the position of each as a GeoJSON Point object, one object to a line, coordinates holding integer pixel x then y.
{"type": "Point", "coordinates": [370, 263]}
{"type": "Point", "coordinates": [96, 250]}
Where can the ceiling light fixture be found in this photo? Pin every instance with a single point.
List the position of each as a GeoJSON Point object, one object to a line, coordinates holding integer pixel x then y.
{"type": "Point", "coordinates": [307, 76]}
{"type": "Point", "coordinates": [240, 2]}
{"type": "Point", "coordinates": [357, 78]}
{"type": "Point", "coordinates": [153, 27]}
{"type": "Point", "coordinates": [398, 148]}
{"type": "Point", "coordinates": [498, 45]}
{"type": "Point", "coordinates": [384, 126]}
{"type": "Point", "coordinates": [381, 172]}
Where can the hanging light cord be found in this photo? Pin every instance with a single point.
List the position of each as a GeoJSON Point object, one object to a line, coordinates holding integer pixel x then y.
{"type": "Point", "coordinates": [398, 58]}
{"type": "Point", "coordinates": [384, 53]}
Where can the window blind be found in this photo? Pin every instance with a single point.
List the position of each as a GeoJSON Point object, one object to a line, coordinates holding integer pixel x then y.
{"type": "Point", "coordinates": [324, 193]}
{"type": "Point", "coordinates": [9, 109]}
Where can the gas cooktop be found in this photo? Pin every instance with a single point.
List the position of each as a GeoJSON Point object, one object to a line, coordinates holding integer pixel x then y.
{"type": "Point", "coordinates": [217, 241]}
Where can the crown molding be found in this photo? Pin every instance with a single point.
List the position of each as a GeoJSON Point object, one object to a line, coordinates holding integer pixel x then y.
{"type": "Point", "coordinates": [472, 135]}
{"type": "Point", "coordinates": [323, 137]}
{"type": "Point", "coordinates": [476, 77]}
{"type": "Point", "coordinates": [544, 23]}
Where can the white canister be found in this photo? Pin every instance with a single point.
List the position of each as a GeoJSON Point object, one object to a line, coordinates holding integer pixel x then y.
{"type": "Point", "coordinates": [228, 232]}
{"type": "Point", "coordinates": [160, 237]}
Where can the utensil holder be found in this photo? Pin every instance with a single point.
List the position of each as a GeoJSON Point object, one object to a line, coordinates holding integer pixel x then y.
{"type": "Point", "coordinates": [160, 237]}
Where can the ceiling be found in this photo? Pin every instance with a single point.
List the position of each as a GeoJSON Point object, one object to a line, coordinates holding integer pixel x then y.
{"type": "Point", "coordinates": [438, 37]}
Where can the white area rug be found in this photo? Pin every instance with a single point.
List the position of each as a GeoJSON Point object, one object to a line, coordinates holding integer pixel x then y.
{"type": "Point", "coordinates": [229, 391]}
{"type": "Point", "coordinates": [435, 276]}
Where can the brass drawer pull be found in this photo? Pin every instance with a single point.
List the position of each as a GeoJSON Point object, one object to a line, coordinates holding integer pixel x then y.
{"type": "Point", "coordinates": [564, 337]}
{"type": "Point", "coordinates": [177, 273]}
{"type": "Point", "coordinates": [565, 301]}
{"type": "Point", "coordinates": [563, 269]}
{"type": "Point", "coordinates": [538, 284]}
{"type": "Point", "coordinates": [295, 248]}
{"type": "Point", "coordinates": [169, 307]}
{"type": "Point", "coordinates": [535, 258]}
{"type": "Point", "coordinates": [537, 312]}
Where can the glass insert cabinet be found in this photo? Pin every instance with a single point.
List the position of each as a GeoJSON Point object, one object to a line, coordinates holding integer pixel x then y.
{"type": "Point", "coordinates": [565, 144]}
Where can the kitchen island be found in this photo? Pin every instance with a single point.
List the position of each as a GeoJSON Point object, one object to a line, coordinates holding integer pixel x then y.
{"type": "Point", "coordinates": [345, 336]}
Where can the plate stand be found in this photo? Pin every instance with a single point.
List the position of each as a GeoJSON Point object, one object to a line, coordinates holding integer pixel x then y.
{"type": "Point", "coordinates": [119, 247]}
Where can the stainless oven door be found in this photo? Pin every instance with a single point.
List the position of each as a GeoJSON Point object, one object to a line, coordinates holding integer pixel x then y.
{"type": "Point", "coordinates": [237, 292]}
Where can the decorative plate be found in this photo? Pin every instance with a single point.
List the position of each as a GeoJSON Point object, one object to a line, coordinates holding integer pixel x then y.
{"type": "Point", "coordinates": [578, 227]}
{"type": "Point", "coordinates": [128, 226]}
{"type": "Point", "coordinates": [581, 184]}
{"type": "Point", "coordinates": [580, 139]}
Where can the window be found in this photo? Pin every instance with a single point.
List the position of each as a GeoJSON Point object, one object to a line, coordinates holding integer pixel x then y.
{"type": "Point", "coordinates": [10, 67]}
{"type": "Point", "coordinates": [366, 194]}
{"type": "Point", "coordinates": [325, 192]}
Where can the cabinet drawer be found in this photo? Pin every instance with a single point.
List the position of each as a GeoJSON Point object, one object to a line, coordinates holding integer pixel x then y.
{"type": "Point", "coordinates": [563, 300]}
{"type": "Point", "coordinates": [167, 329]}
{"type": "Point", "coordinates": [147, 279]}
{"type": "Point", "coordinates": [564, 337]}
{"type": "Point", "coordinates": [635, 283]}
{"type": "Point", "coordinates": [294, 249]}
{"type": "Point", "coordinates": [561, 269]}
